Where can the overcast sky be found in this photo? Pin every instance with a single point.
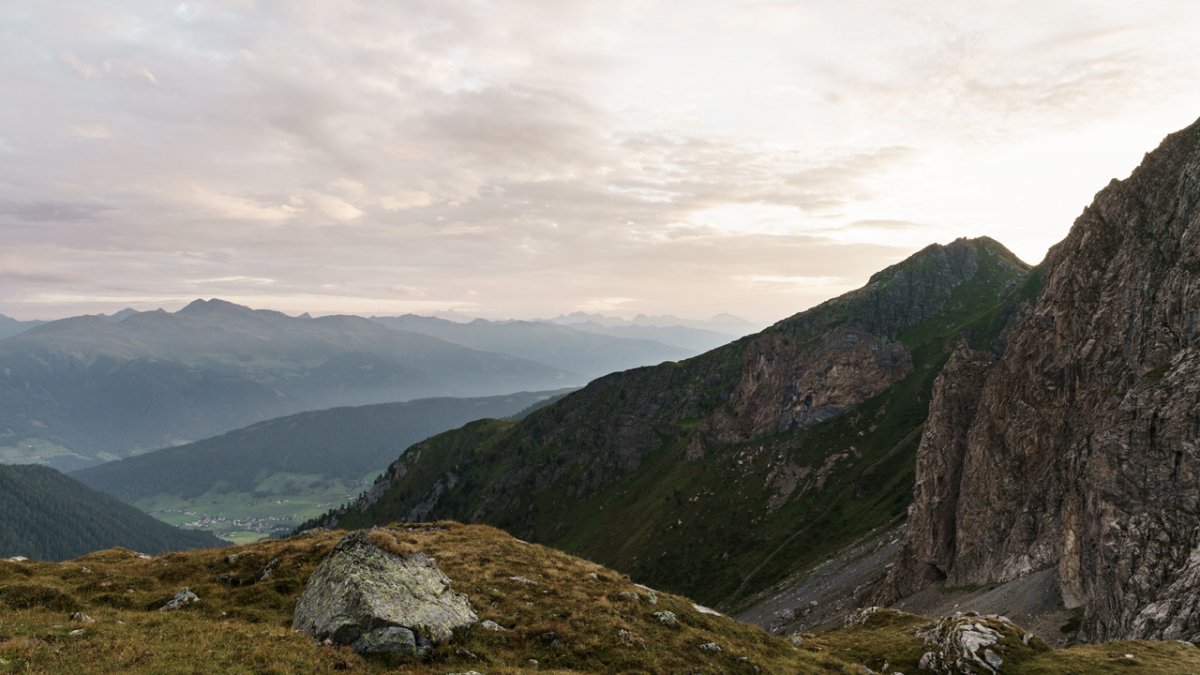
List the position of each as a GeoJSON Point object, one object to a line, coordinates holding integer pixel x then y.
{"type": "Point", "coordinates": [519, 159]}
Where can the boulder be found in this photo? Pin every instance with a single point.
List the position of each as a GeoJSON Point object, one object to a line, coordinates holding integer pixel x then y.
{"type": "Point", "coordinates": [360, 590]}
{"type": "Point", "coordinates": [390, 640]}
{"type": "Point", "coordinates": [972, 643]}
{"type": "Point", "coordinates": [182, 599]}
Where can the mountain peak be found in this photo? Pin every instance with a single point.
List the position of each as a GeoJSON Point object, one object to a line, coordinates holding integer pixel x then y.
{"type": "Point", "coordinates": [200, 306]}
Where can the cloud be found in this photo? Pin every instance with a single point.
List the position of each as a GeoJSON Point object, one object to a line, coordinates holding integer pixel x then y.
{"type": "Point", "coordinates": [91, 132]}
{"type": "Point", "coordinates": [526, 158]}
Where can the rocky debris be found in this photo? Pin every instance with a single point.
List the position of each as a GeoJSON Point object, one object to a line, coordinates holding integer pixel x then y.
{"type": "Point", "coordinates": [862, 615]}
{"type": "Point", "coordinates": [80, 617]}
{"type": "Point", "coordinates": [269, 570]}
{"type": "Point", "coordinates": [650, 596]}
{"type": "Point", "coordinates": [710, 647]}
{"type": "Point", "coordinates": [628, 638]}
{"type": "Point", "coordinates": [488, 624]}
{"type": "Point", "coordinates": [182, 599]}
{"type": "Point", "coordinates": [361, 589]}
{"type": "Point", "coordinates": [523, 580]}
{"type": "Point", "coordinates": [666, 618]}
{"type": "Point", "coordinates": [78, 633]}
{"type": "Point", "coordinates": [389, 640]}
{"type": "Point", "coordinates": [968, 643]}
{"type": "Point", "coordinates": [1095, 400]}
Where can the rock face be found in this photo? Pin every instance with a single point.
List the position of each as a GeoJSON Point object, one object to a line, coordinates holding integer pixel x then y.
{"type": "Point", "coordinates": [1079, 448]}
{"type": "Point", "coordinates": [377, 601]}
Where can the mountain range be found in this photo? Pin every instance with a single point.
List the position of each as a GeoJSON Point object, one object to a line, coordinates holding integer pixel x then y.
{"type": "Point", "coordinates": [83, 390]}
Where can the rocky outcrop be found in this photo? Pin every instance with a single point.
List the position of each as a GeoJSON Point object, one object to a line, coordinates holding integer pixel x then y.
{"type": "Point", "coordinates": [973, 644]}
{"type": "Point", "coordinates": [930, 537]}
{"type": "Point", "coordinates": [1079, 448]}
{"type": "Point", "coordinates": [378, 601]}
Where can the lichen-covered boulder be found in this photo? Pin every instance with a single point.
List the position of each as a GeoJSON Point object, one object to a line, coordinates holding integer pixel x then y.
{"type": "Point", "coordinates": [971, 643]}
{"type": "Point", "coordinates": [360, 589]}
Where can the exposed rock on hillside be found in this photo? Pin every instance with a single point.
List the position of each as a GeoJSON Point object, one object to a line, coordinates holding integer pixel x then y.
{"type": "Point", "coordinates": [377, 601]}
{"type": "Point", "coordinates": [1083, 445]}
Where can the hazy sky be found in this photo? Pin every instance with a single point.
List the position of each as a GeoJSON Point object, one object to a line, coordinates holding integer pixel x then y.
{"type": "Point", "coordinates": [530, 158]}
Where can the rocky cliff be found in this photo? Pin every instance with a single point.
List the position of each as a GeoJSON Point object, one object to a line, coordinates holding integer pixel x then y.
{"type": "Point", "coordinates": [1078, 449]}
{"type": "Point", "coordinates": [720, 474]}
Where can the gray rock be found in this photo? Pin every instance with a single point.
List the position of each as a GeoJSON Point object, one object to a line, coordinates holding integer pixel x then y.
{"type": "Point", "coordinates": [77, 633]}
{"type": "Point", "coordinates": [967, 643]}
{"type": "Point", "coordinates": [710, 647]}
{"type": "Point", "coordinates": [390, 640]}
{"type": "Point", "coordinates": [359, 588]}
{"type": "Point", "coordinates": [80, 617]}
{"type": "Point", "coordinates": [488, 624]}
{"type": "Point", "coordinates": [182, 599]}
{"type": "Point", "coordinates": [666, 618]}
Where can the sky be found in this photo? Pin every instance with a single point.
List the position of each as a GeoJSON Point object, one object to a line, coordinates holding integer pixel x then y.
{"type": "Point", "coordinates": [530, 158]}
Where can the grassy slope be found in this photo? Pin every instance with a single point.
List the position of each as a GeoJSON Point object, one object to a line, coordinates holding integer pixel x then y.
{"type": "Point", "coordinates": [886, 643]}
{"type": "Point", "coordinates": [568, 620]}
{"type": "Point", "coordinates": [708, 528]}
{"type": "Point", "coordinates": [47, 515]}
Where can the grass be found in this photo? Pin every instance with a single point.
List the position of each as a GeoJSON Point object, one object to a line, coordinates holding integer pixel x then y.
{"type": "Point", "coordinates": [36, 451]}
{"type": "Point", "coordinates": [890, 637]}
{"type": "Point", "coordinates": [569, 619]}
{"type": "Point", "coordinates": [568, 614]}
{"type": "Point", "coordinates": [279, 502]}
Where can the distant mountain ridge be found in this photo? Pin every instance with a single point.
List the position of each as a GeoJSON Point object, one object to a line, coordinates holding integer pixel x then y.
{"type": "Point", "coordinates": [10, 326]}
{"type": "Point", "coordinates": [85, 389]}
{"type": "Point", "coordinates": [565, 347]}
{"type": "Point", "coordinates": [48, 516]}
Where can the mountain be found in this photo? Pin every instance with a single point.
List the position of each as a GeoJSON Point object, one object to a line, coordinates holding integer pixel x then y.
{"type": "Point", "coordinates": [285, 470]}
{"type": "Point", "coordinates": [592, 354]}
{"type": "Point", "coordinates": [537, 609]}
{"type": "Point", "coordinates": [718, 475]}
{"type": "Point", "coordinates": [48, 516]}
{"type": "Point", "coordinates": [727, 324]}
{"type": "Point", "coordinates": [87, 389]}
{"type": "Point", "coordinates": [696, 340]}
{"type": "Point", "coordinates": [10, 326]}
{"type": "Point", "coordinates": [1075, 453]}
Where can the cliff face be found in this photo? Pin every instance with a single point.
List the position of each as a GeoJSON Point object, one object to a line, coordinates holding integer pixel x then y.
{"type": "Point", "coordinates": [1079, 448]}
{"type": "Point", "coordinates": [721, 473]}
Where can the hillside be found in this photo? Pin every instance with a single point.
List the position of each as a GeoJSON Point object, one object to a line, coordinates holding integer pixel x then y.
{"type": "Point", "coordinates": [585, 352]}
{"type": "Point", "coordinates": [48, 516]}
{"type": "Point", "coordinates": [88, 389]}
{"type": "Point", "coordinates": [1074, 452]}
{"type": "Point", "coordinates": [551, 612]}
{"type": "Point", "coordinates": [288, 469]}
{"type": "Point", "coordinates": [719, 475]}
